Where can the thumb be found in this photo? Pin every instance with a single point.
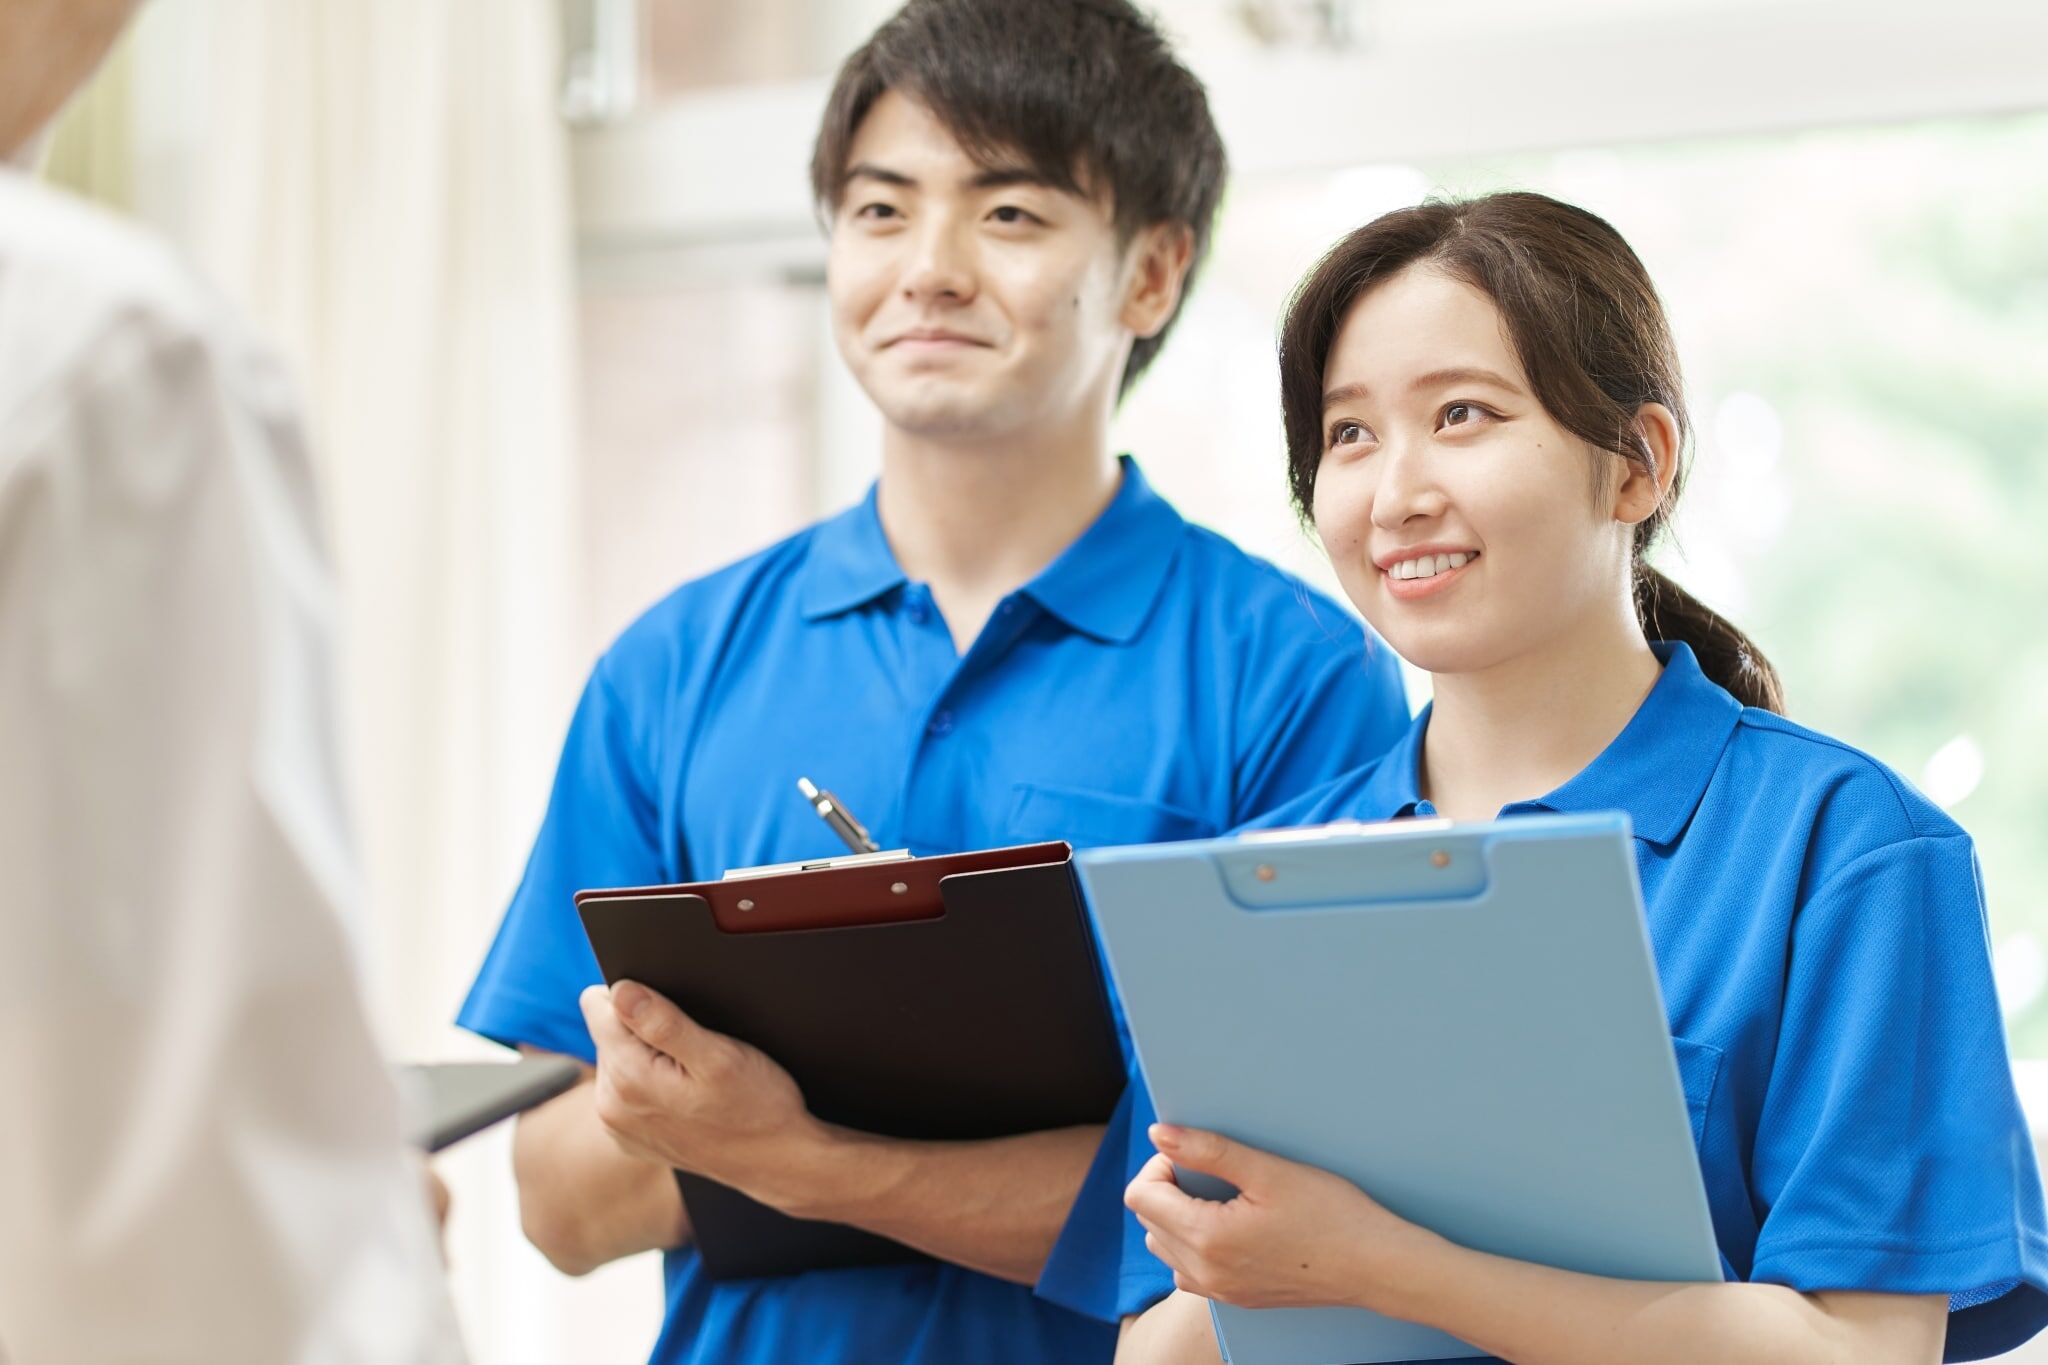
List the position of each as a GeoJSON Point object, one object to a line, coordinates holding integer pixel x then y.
{"type": "Point", "coordinates": [654, 1019]}
{"type": "Point", "coordinates": [1209, 1153]}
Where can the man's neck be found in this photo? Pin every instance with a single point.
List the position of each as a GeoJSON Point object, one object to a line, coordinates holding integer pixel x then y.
{"type": "Point", "coordinates": [975, 522]}
{"type": "Point", "coordinates": [1525, 727]}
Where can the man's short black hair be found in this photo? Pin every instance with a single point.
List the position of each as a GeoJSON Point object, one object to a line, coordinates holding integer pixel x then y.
{"type": "Point", "coordinates": [1086, 92]}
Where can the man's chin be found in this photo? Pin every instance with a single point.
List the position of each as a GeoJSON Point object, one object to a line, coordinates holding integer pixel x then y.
{"type": "Point", "coordinates": [953, 418]}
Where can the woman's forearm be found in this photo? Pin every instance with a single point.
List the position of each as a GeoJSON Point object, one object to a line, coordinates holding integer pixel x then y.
{"type": "Point", "coordinates": [1174, 1331]}
{"type": "Point", "coordinates": [1534, 1315]}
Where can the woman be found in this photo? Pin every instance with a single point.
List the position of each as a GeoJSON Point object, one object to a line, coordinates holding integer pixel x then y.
{"type": "Point", "coordinates": [1485, 423]}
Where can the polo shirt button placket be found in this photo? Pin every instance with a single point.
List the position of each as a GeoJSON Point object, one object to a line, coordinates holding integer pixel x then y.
{"type": "Point", "coordinates": [941, 724]}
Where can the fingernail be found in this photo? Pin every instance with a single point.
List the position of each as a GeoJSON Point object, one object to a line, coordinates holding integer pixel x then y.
{"type": "Point", "coordinates": [629, 999]}
{"type": "Point", "coordinates": [1164, 1136]}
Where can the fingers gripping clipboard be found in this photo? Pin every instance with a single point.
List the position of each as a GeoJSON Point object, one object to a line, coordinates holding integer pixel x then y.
{"type": "Point", "coordinates": [946, 998]}
{"type": "Point", "coordinates": [1463, 1020]}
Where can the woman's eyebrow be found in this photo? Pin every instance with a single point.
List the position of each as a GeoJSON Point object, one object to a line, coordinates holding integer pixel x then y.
{"type": "Point", "coordinates": [1435, 379]}
{"type": "Point", "coordinates": [1343, 393]}
{"type": "Point", "coordinates": [1462, 374]}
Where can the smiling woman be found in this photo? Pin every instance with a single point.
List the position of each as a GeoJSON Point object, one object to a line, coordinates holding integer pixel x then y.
{"type": "Point", "coordinates": [1495, 379]}
{"type": "Point", "coordinates": [1527, 376]}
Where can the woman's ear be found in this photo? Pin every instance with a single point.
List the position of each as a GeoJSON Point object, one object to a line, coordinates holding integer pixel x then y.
{"type": "Point", "coordinates": [1641, 491]}
{"type": "Point", "coordinates": [1159, 256]}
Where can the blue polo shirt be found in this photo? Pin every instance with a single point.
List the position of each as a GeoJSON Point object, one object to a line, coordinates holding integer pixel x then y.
{"type": "Point", "coordinates": [1154, 682]}
{"type": "Point", "coordinates": [1820, 938]}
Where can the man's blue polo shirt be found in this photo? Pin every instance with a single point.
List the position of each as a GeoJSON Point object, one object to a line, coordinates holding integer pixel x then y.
{"type": "Point", "coordinates": [1154, 682]}
{"type": "Point", "coordinates": [1820, 938]}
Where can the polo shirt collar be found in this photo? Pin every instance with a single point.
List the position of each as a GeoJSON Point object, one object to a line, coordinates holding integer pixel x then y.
{"type": "Point", "coordinates": [1658, 767]}
{"type": "Point", "coordinates": [1656, 770]}
{"type": "Point", "coordinates": [849, 563]}
{"type": "Point", "coordinates": [1393, 787]}
{"type": "Point", "coordinates": [1104, 584]}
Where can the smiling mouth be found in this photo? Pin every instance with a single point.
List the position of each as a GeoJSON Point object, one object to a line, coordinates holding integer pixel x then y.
{"type": "Point", "coordinates": [935, 339]}
{"type": "Point", "coordinates": [1429, 566]}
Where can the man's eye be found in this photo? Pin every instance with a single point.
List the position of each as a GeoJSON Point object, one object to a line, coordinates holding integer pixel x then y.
{"type": "Point", "coordinates": [876, 211]}
{"type": "Point", "coordinates": [1011, 214]}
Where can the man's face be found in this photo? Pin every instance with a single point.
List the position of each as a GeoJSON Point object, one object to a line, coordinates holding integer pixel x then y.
{"type": "Point", "coordinates": [47, 50]}
{"type": "Point", "coordinates": [971, 301]}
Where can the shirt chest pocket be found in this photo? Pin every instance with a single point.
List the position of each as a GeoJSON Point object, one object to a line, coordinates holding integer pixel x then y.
{"type": "Point", "coordinates": [1699, 1070]}
{"type": "Point", "coordinates": [1097, 819]}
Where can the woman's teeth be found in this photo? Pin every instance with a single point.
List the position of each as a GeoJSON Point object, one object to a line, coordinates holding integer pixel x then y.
{"type": "Point", "coordinates": [1429, 566]}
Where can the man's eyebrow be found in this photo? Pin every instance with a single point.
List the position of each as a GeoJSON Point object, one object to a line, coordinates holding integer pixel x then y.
{"type": "Point", "coordinates": [1435, 379]}
{"type": "Point", "coordinates": [867, 170]}
{"type": "Point", "coordinates": [999, 177]}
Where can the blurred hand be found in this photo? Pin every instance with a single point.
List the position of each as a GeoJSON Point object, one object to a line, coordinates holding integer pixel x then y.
{"type": "Point", "coordinates": [438, 1198]}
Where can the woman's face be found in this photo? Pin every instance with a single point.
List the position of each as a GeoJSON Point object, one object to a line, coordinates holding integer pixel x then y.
{"type": "Point", "coordinates": [1466, 525]}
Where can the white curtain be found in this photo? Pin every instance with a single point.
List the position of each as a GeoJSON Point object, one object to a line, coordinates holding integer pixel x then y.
{"type": "Point", "coordinates": [383, 186]}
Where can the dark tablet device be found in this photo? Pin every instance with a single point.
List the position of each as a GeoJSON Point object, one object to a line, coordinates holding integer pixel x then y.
{"type": "Point", "coordinates": [452, 1100]}
{"type": "Point", "coordinates": [952, 997]}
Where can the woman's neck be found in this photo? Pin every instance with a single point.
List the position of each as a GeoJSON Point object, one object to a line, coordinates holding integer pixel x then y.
{"type": "Point", "coordinates": [1528, 725]}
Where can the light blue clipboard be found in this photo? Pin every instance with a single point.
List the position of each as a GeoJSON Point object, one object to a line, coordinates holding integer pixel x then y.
{"type": "Point", "coordinates": [1464, 1020]}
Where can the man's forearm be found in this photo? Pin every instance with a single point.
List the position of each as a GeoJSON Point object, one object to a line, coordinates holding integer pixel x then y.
{"type": "Point", "coordinates": [995, 1206]}
{"type": "Point", "coordinates": [582, 1200]}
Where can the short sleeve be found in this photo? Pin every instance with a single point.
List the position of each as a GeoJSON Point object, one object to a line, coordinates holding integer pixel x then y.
{"type": "Point", "coordinates": [1099, 1267]}
{"type": "Point", "coordinates": [1891, 1154]}
{"type": "Point", "coordinates": [1338, 707]}
{"type": "Point", "coordinates": [600, 830]}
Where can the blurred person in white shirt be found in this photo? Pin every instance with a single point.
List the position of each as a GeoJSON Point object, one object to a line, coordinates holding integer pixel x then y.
{"type": "Point", "coordinates": [199, 1144]}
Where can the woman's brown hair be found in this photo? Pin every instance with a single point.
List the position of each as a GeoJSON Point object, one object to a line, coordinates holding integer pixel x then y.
{"type": "Point", "coordinates": [1591, 334]}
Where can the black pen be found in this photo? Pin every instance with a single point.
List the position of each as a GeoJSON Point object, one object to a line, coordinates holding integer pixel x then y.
{"type": "Point", "coordinates": [838, 816]}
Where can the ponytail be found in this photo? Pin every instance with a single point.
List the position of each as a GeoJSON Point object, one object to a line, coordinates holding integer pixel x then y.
{"type": "Point", "coordinates": [1727, 656]}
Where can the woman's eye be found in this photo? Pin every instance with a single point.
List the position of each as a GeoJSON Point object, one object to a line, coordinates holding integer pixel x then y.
{"type": "Point", "coordinates": [1346, 433]}
{"type": "Point", "coordinates": [1462, 414]}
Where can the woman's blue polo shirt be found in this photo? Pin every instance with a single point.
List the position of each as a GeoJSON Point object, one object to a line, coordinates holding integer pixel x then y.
{"type": "Point", "coordinates": [1154, 682]}
{"type": "Point", "coordinates": [1820, 938]}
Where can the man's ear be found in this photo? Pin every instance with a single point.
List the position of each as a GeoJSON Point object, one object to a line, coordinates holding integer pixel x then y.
{"type": "Point", "coordinates": [1159, 259]}
{"type": "Point", "coordinates": [1641, 492]}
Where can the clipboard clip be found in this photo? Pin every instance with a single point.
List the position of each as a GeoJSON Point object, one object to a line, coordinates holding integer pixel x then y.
{"type": "Point", "coordinates": [891, 855]}
{"type": "Point", "coordinates": [1301, 834]}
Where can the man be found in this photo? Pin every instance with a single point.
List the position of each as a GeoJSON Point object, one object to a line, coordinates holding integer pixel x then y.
{"type": "Point", "coordinates": [1012, 639]}
{"type": "Point", "coordinates": [199, 1152]}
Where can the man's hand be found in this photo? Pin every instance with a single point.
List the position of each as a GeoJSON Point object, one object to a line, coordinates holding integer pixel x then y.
{"type": "Point", "coordinates": [1293, 1237]}
{"type": "Point", "coordinates": [672, 1091]}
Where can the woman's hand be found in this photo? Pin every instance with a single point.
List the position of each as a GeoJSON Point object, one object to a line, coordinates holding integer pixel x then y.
{"type": "Point", "coordinates": [1299, 1237]}
{"type": "Point", "coordinates": [1294, 1237]}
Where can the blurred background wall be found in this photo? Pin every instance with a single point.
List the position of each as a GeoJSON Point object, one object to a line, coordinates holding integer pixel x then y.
{"type": "Point", "coordinates": [548, 276]}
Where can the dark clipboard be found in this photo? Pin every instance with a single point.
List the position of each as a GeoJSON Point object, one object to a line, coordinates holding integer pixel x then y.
{"type": "Point", "coordinates": [945, 998]}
